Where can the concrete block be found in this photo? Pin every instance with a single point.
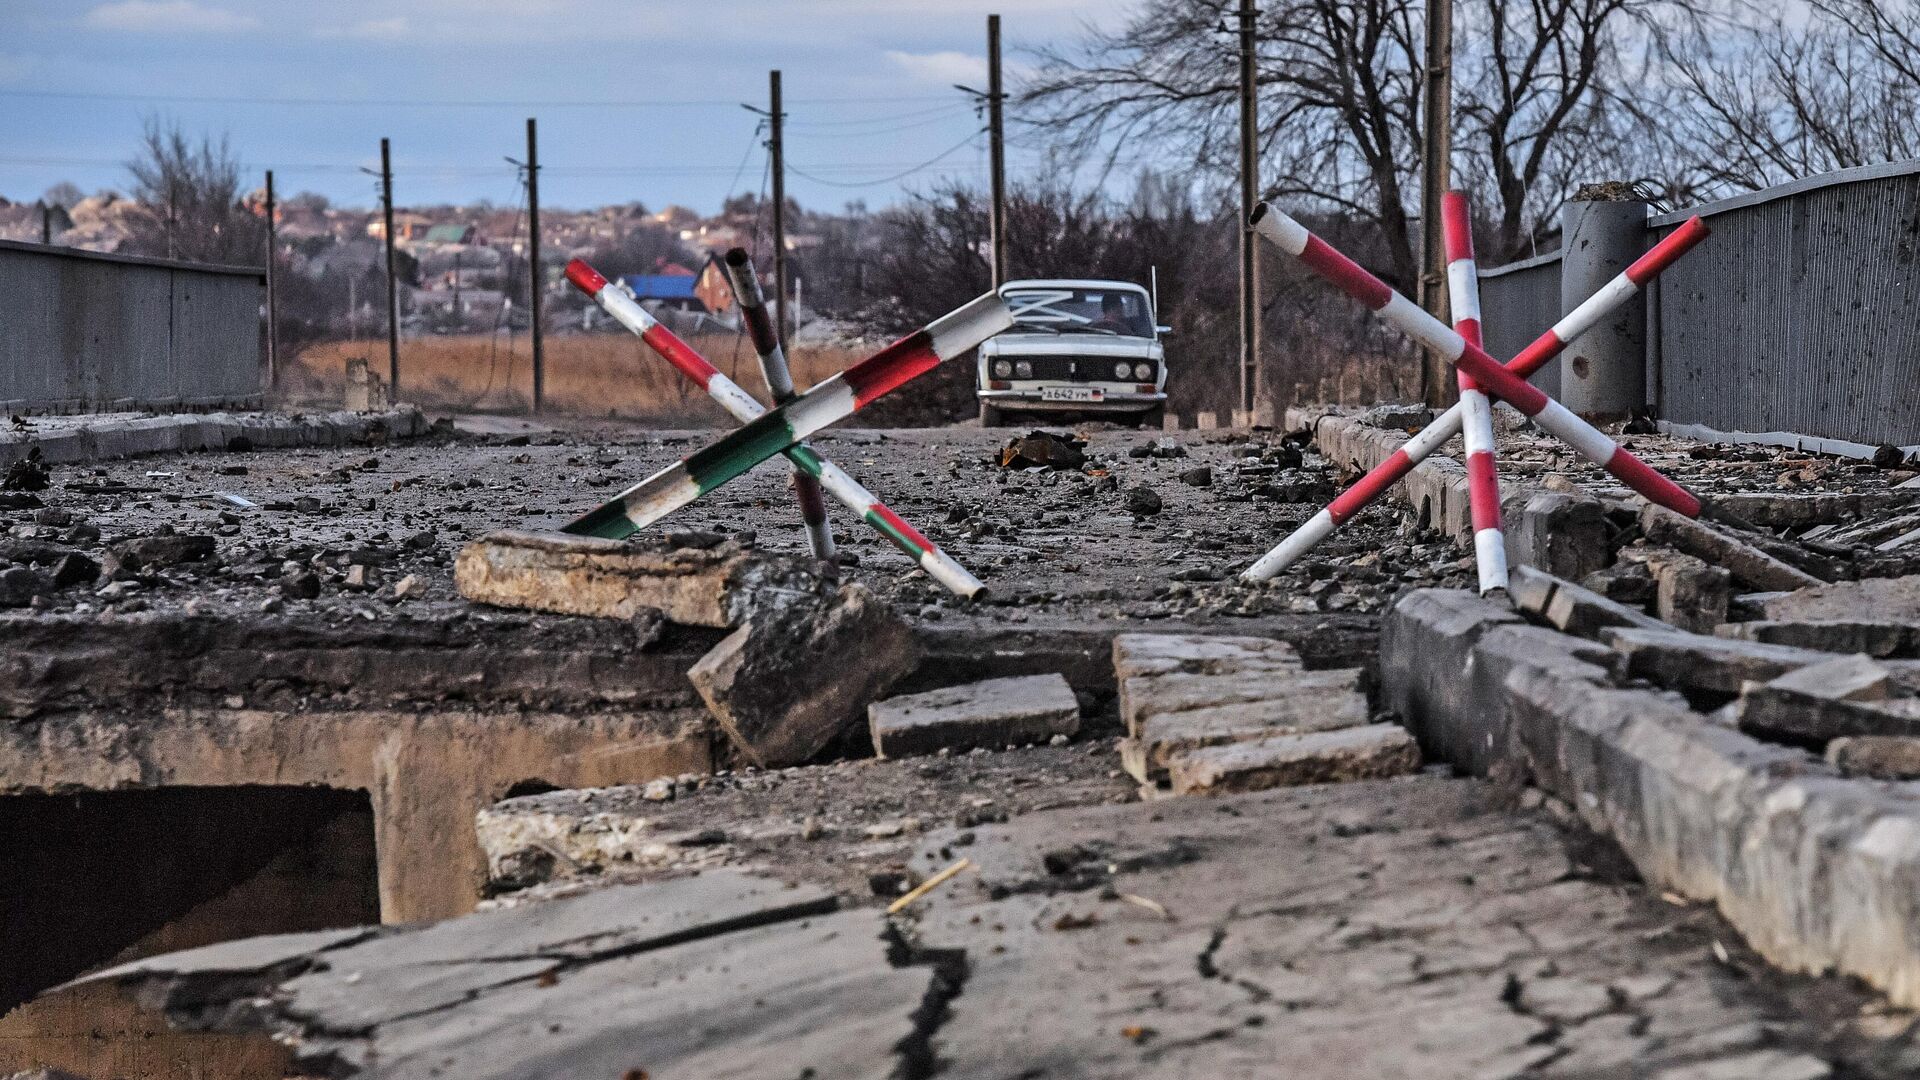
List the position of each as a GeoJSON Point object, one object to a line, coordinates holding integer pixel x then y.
{"type": "Point", "coordinates": [1881, 639]}
{"type": "Point", "coordinates": [1748, 564]}
{"type": "Point", "coordinates": [1426, 644]}
{"type": "Point", "coordinates": [1163, 736]}
{"type": "Point", "coordinates": [1206, 421]}
{"type": "Point", "coordinates": [1564, 535]}
{"type": "Point", "coordinates": [1820, 702]}
{"type": "Point", "coordinates": [1195, 654]}
{"type": "Point", "coordinates": [991, 714]}
{"type": "Point", "coordinates": [1880, 757]}
{"type": "Point", "coordinates": [1684, 661]}
{"type": "Point", "coordinates": [1362, 753]}
{"type": "Point", "coordinates": [1568, 607]}
{"type": "Point", "coordinates": [1870, 599]}
{"type": "Point", "coordinates": [1145, 696]}
{"type": "Point", "coordinates": [707, 584]}
{"type": "Point", "coordinates": [797, 676]}
{"type": "Point", "coordinates": [1689, 593]}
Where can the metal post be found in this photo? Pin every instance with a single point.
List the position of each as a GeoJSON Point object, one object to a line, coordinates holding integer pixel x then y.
{"type": "Point", "coordinates": [997, 152]}
{"type": "Point", "coordinates": [1436, 149]}
{"type": "Point", "coordinates": [273, 296]}
{"type": "Point", "coordinates": [1249, 199]}
{"type": "Point", "coordinates": [1604, 376]}
{"type": "Point", "coordinates": [533, 268]}
{"type": "Point", "coordinates": [779, 168]}
{"type": "Point", "coordinates": [393, 284]}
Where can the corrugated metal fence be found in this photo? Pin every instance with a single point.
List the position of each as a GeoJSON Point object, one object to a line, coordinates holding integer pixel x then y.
{"type": "Point", "coordinates": [1800, 314]}
{"type": "Point", "coordinates": [88, 331]}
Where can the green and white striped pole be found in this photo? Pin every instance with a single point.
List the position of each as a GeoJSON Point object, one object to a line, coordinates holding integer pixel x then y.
{"type": "Point", "coordinates": [618, 518]}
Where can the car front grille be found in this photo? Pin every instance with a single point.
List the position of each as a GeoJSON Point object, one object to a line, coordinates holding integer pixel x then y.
{"type": "Point", "coordinates": [1077, 368]}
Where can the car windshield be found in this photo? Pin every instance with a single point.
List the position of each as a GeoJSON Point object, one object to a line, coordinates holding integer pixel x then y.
{"type": "Point", "coordinates": [1066, 310]}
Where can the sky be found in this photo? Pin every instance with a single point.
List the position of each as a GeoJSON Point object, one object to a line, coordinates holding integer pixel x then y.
{"type": "Point", "coordinates": [636, 101]}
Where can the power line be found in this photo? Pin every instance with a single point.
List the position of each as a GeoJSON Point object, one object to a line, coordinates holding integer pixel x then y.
{"type": "Point", "coordinates": [448, 103]}
{"type": "Point", "coordinates": [929, 163]}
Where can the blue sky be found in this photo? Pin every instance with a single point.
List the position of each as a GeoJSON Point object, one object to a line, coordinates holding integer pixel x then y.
{"type": "Point", "coordinates": [867, 82]}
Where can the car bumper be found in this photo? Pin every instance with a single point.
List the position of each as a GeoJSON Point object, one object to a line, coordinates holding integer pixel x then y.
{"type": "Point", "coordinates": [1112, 401]}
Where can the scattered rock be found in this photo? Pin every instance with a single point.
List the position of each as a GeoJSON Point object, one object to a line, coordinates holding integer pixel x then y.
{"type": "Point", "coordinates": [1198, 477]}
{"type": "Point", "coordinates": [1045, 450]}
{"type": "Point", "coordinates": [157, 552]}
{"type": "Point", "coordinates": [1881, 757]}
{"type": "Point", "coordinates": [74, 569]}
{"type": "Point", "coordinates": [409, 587]}
{"type": "Point", "coordinates": [1888, 456]}
{"type": "Point", "coordinates": [304, 585]}
{"type": "Point", "coordinates": [27, 474]}
{"type": "Point", "coordinates": [991, 714]}
{"type": "Point", "coordinates": [1143, 501]}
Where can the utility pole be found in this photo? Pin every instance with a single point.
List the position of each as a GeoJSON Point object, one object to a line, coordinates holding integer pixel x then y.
{"type": "Point", "coordinates": [1249, 196]}
{"type": "Point", "coordinates": [46, 221]}
{"type": "Point", "coordinates": [775, 119]}
{"type": "Point", "coordinates": [273, 322]}
{"type": "Point", "coordinates": [1436, 150]}
{"type": "Point", "coordinates": [393, 284]}
{"type": "Point", "coordinates": [533, 268]}
{"type": "Point", "coordinates": [997, 141]}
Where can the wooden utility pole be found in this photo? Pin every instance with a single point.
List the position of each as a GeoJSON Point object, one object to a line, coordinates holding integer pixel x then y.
{"type": "Point", "coordinates": [1249, 198]}
{"type": "Point", "coordinates": [533, 268]}
{"type": "Point", "coordinates": [273, 311]}
{"type": "Point", "coordinates": [393, 283]}
{"type": "Point", "coordinates": [775, 121]}
{"type": "Point", "coordinates": [997, 142]}
{"type": "Point", "coordinates": [1436, 150]}
{"type": "Point", "coordinates": [46, 221]}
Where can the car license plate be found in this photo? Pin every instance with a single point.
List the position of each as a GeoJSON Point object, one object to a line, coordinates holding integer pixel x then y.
{"type": "Point", "coordinates": [1071, 393]}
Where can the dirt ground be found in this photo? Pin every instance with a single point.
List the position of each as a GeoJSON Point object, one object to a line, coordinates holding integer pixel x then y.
{"type": "Point", "coordinates": [1058, 543]}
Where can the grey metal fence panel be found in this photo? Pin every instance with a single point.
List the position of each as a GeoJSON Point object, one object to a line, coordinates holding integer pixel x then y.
{"type": "Point", "coordinates": [1801, 313]}
{"type": "Point", "coordinates": [83, 330]}
{"type": "Point", "coordinates": [1517, 303]}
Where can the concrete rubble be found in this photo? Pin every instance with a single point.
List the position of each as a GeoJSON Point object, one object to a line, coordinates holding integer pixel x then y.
{"type": "Point", "coordinates": [651, 759]}
{"type": "Point", "coordinates": [994, 713]}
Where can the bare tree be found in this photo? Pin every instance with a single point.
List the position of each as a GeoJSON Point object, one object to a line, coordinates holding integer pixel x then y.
{"type": "Point", "coordinates": [1763, 100]}
{"type": "Point", "coordinates": [190, 199]}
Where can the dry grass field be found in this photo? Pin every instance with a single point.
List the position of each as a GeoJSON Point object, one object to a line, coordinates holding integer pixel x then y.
{"type": "Point", "coordinates": [587, 374]}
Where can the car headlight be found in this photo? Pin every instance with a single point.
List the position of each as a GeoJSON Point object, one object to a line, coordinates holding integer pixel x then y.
{"type": "Point", "coordinates": [1122, 369]}
{"type": "Point", "coordinates": [1143, 372]}
{"type": "Point", "coordinates": [1023, 369]}
{"type": "Point", "coordinates": [1002, 369]}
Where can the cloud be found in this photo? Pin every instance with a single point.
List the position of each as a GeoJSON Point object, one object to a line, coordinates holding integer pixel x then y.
{"type": "Point", "coordinates": [943, 68]}
{"type": "Point", "coordinates": [168, 16]}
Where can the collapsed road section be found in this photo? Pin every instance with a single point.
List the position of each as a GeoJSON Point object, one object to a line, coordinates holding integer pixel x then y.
{"type": "Point", "coordinates": [893, 818]}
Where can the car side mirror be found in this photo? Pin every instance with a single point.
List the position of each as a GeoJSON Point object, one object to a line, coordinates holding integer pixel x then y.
{"type": "Point", "coordinates": [1163, 329]}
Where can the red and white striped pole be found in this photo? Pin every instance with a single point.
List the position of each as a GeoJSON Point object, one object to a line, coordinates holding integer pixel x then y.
{"type": "Point", "coordinates": [1483, 482]}
{"type": "Point", "coordinates": [1586, 440]}
{"type": "Point", "coordinates": [832, 478]}
{"type": "Point", "coordinates": [1430, 438]}
{"type": "Point", "coordinates": [773, 368]}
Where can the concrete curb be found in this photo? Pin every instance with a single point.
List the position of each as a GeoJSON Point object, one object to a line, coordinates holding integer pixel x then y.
{"type": "Point", "coordinates": [1819, 873]}
{"type": "Point", "coordinates": [123, 437]}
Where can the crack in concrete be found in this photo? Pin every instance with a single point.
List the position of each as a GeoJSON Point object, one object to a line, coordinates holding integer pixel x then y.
{"type": "Point", "coordinates": [918, 1060]}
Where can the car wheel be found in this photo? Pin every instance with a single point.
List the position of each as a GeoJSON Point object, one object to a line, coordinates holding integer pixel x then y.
{"type": "Point", "coordinates": [992, 415]}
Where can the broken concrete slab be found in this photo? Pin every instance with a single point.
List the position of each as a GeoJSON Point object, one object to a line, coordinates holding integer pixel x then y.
{"type": "Point", "coordinates": [1870, 600]}
{"type": "Point", "coordinates": [1145, 696]}
{"type": "Point", "coordinates": [1564, 535]}
{"type": "Point", "coordinates": [1685, 661]}
{"type": "Point", "coordinates": [1688, 592]}
{"type": "Point", "coordinates": [1748, 564]}
{"type": "Point", "coordinates": [1136, 654]}
{"type": "Point", "coordinates": [1326, 703]}
{"type": "Point", "coordinates": [799, 675]}
{"type": "Point", "coordinates": [1706, 811]}
{"type": "Point", "coordinates": [991, 714]}
{"type": "Point", "coordinates": [1371, 752]}
{"type": "Point", "coordinates": [1571, 608]}
{"type": "Point", "coordinates": [701, 580]}
{"type": "Point", "coordinates": [1879, 757]}
{"type": "Point", "coordinates": [1846, 696]}
{"type": "Point", "coordinates": [1878, 639]}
